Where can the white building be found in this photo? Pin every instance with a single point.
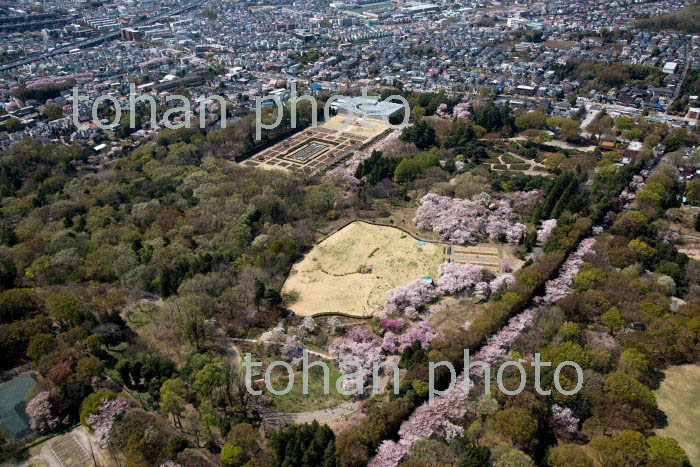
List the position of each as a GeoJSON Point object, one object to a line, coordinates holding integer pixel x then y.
{"type": "Point", "coordinates": [670, 67]}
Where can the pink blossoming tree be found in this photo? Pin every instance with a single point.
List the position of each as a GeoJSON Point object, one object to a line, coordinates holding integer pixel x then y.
{"type": "Point", "coordinates": [561, 286]}
{"type": "Point", "coordinates": [422, 332]}
{"type": "Point", "coordinates": [503, 280]}
{"type": "Point", "coordinates": [40, 413]}
{"type": "Point", "coordinates": [390, 343]}
{"type": "Point", "coordinates": [359, 346]}
{"type": "Point", "coordinates": [467, 221]}
{"type": "Point", "coordinates": [525, 201]}
{"type": "Point", "coordinates": [391, 324]}
{"type": "Point", "coordinates": [409, 298]}
{"type": "Point", "coordinates": [544, 233]}
{"type": "Point", "coordinates": [457, 277]}
{"type": "Point", "coordinates": [102, 422]}
{"type": "Point", "coordinates": [563, 418]}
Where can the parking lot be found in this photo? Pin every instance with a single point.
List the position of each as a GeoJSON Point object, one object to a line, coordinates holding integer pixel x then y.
{"type": "Point", "coordinates": [70, 453]}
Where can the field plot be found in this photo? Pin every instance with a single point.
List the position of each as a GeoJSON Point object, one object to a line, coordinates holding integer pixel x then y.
{"type": "Point", "coordinates": [316, 149]}
{"type": "Point", "coordinates": [679, 399]}
{"type": "Point", "coordinates": [487, 255]}
{"type": "Point", "coordinates": [351, 271]}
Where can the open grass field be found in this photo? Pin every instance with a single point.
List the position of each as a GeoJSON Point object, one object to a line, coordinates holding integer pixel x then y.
{"type": "Point", "coordinates": [351, 271]}
{"type": "Point", "coordinates": [679, 398]}
{"type": "Point", "coordinates": [371, 7]}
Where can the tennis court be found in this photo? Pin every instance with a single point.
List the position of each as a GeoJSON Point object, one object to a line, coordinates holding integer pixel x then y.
{"type": "Point", "coordinates": [12, 405]}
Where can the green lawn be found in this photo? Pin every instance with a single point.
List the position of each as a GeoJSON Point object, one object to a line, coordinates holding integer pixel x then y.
{"type": "Point", "coordinates": [371, 7]}
{"type": "Point", "coordinates": [679, 398]}
{"type": "Point", "coordinates": [138, 318]}
{"type": "Point", "coordinates": [296, 400]}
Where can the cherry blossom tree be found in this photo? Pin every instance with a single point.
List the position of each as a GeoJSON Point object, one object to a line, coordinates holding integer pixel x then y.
{"type": "Point", "coordinates": [561, 286]}
{"type": "Point", "coordinates": [457, 277]}
{"type": "Point", "coordinates": [308, 324]}
{"type": "Point", "coordinates": [442, 111]}
{"type": "Point", "coordinates": [465, 221]}
{"type": "Point", "coordinates": [515, 233]}
{"type": "Point", "coordinates": [638, 182]}
{"type": "Point", "coordinates": [411, 313]}
{"type": "Point", "coordinates": [563, 418]}
{"type": "Point", "coordinates": [360, 156]}
{"type": "Point", "coordinates": [102, 422]}
{"type": "Point", "coordinates": [409, 298]}
{"type": "Point", "coordinates": [389, 453]}
{"type": "Point", "coordinates": [482, 290]}
{"type": "Point", "coordinates": [525, 201]}
{"type": "Point", "coordinates": [333, 323]}
{"type": "Point", "coordinates": [461, 110]}
{"type": "Point", "coordinates": [351, 422]}
{"type": "Point", "coordinates": [292, 348]}
{"type": "Point", "coordinates": [40, 413]}
{"type": "Point", "coordinates": [391, 324]}
{"type": "Point", "coordinates": [422, 332]}
{"type": "Point", "coordinates": [276, 335]}
{"type": "Point", "coordinates": [342, 178]}
{"type": "Point", "coordinates": [390, 343]}
{"type": "Point", "coordinates": [497, 283]}
{"type": "Point", "coordinates": [450, 431]}
{"type": "Point", "coordinates": [360, 346]}
{"type": "Point", "coordinates": [544, 233]}
{"type": "Point", "coordinates": [668, 236]}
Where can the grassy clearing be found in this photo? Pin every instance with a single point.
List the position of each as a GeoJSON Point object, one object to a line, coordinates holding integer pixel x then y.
{"type": "Point", "coordinates": [454, 314]}
{"type": "Point", "coordinates": [295, 400]}
{"type": "Point", "coordinates": [316, 399]}
{"type": "Point", "coordinates": [679, 398]}
{"type": "Point", "coordinates": [371, 7]}
{"type": "Point", "coordinates": [338, 276]}
{"type": "Point", "coordinates": [138, 317]}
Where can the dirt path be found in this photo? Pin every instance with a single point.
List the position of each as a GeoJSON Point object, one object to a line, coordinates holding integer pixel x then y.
{"type": "Point", "coordinates": [258, 341]}
{"type": "Point", "coordinates": [559, 144]}
{"type": "Point", "coordinates": [322, 416]}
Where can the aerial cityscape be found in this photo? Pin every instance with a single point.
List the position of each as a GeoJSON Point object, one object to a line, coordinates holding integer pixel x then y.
{"type": "Point", "coordinates": [347, 233]}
